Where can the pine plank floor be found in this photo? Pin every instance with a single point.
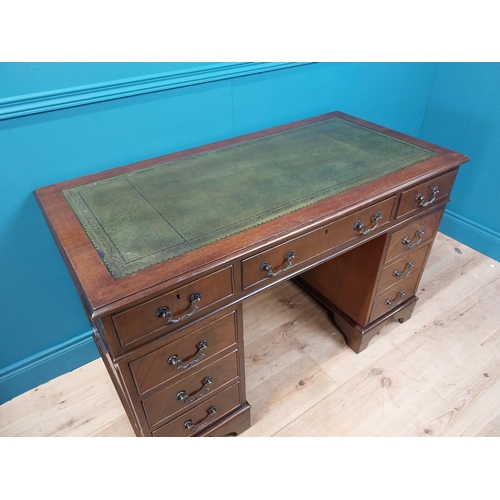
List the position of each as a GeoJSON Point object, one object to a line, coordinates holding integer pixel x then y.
{"type": "Point", "coordinates": [438, 374]}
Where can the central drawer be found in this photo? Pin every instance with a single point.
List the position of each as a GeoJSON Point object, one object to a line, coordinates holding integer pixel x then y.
{"type": "Point", "coordinates": [279, 259]}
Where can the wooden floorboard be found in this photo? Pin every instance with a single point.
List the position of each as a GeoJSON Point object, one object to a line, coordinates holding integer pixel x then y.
{"type": "Point", "coordinates": [438, 374]}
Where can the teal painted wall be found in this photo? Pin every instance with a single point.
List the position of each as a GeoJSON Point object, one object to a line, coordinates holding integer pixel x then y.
{"type": "Point", "coordinates": [31, 78]}
{"type": "Point", "coordinates": [463, 114]}
{"type": "Point", "coordinates": [44, 331]}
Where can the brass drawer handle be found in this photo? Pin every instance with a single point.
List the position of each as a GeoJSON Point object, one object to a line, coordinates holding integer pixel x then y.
{"type": "Point", "coordinates": [420, 197]}
{"type": "Point", "coordinates": [399, 274]}
{"type": "Point", "coordinates": [408, 242]}
{"type": "Point", "coordinates": [359, 226]}
{"type": "Point", "coordinates": [205, 388]}
{"type": "Point", "coordinates": [265, 266]}
{"type": "Point", "coordinates": [391, 303]}
{"type": "Point", "coordinates": [165, 312]}
{"type": "Point", "coordinates": [175, 361]}
{"type": "Point", "coordinates": [192, 427]}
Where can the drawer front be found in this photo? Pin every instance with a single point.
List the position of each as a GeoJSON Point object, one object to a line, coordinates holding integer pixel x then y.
{"type": "Point", "coordinates": [184, 355]}
{"type": "Point", "coordinates": [203, 415]}
{"type": "Point", "coordinates": [403, 268]}
{"type": "Point", "coordinates": [425, 194]}
{"type": "Point", "coordinates": [191, 390]}
{"type": "Point", "coordinates": [394, 296]}
{"type": "Point", "coordinates": [413, 235]}
{"type": "Point", "coordinates": [162, 313]}
{"type": "Point", "coordinates": [280, 259]}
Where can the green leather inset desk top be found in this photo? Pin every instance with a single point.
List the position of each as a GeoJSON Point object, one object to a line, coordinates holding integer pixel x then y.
{"type": "Point", "coordinates": [145, 217]}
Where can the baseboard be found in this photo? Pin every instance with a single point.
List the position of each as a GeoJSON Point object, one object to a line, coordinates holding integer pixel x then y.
{"type": "Point", "coordinates": [473, 235]}
{"type": "Point", "coordinates": [46, 365]}
{"type": "Point", "coordinates": [41, 102]}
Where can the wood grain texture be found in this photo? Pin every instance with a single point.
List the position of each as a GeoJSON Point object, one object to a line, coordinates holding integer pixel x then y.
{"type": "Point", "coordinates": [438, 374]}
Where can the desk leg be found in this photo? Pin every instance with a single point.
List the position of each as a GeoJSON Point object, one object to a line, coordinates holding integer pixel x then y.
{"type": "Point", "coordinates": [358, 337]}
{"type": "Point", "coordinates": [233, 425]}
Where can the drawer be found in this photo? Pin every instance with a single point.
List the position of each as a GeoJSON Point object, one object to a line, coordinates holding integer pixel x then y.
{"type": "Point", "coordinates": [407, 266]}
{"type": "Point", "coordinates": [198, 386]}
{"type": "Point", "coordinates": [416, 233]}
{"type": "Point", "coordinates": [203, 415]}
{"type": "Point", "coordinates": [394, 296]}
{"type": "Point", "coordinates": [279, 259]}
{"type": "Point", "coordinates": [185, 354]}
{"type": "Point", "coordinates": [162, 313]}
{"type": "Point", "coordinates": [426, 193]}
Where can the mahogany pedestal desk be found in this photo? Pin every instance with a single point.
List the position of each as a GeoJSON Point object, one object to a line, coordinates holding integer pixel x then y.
{"type": "Point", "coordinates": [164, 251]}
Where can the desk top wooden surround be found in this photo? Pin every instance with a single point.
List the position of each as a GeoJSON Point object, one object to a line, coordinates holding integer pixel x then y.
{"type": "Point", "coordinates": [164, 251]}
